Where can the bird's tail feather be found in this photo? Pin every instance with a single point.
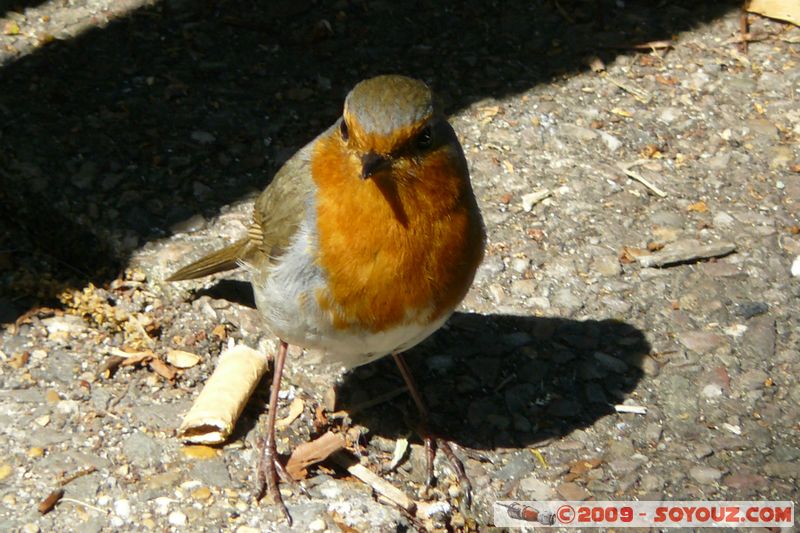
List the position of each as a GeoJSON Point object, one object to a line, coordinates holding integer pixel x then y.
{"type": "Point", "coordinates": [226, 259]}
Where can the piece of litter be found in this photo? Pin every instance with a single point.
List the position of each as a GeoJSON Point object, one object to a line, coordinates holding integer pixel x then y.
{"type": "Point", "coordinates": [736, 430]}
{"type": "Point", "coordinates": [533, 198]}
{"type": "Point", "coordinates": [400, 449]}
{"type": "Point", "coordinates": [635, 409]}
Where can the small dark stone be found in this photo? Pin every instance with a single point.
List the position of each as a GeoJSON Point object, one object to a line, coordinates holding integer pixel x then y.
{"type": "Point", "coordinates": [748, 310]}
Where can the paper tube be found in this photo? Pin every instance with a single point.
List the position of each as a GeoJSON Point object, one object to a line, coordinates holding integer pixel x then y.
{"type": "Point", "coordinates": [216, 409]}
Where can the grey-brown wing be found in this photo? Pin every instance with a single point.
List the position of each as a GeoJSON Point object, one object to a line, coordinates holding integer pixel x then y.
{"type": "Point", "coordinates": [280, 209]}
{"type": "Point", "coordinates": [277, 215]}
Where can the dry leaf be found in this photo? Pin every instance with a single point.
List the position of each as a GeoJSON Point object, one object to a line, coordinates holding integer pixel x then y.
{"type": "Point", "coordinates": [629, 254]}
{"type": "Point", "coordinates": [584, 465]}
{"type": "Point", "coordinates": [11, 28]}
{"type": "Point", "coordinates": [163, 369]}
{"type": "Point", "coordinates": [400, 449]}
{"type": "Point", "coordinates": [295, 410]}
{"type": "Point", "coordinates": [18, 361]}
{"type": "Point", "coordinates": [220, 331]}
{"type": "Point", "coordinates": [181, 359]}
{"type": "Point", "coordinates": [698, 207]}
{"type": "Point", "coordinates": [786, 10]}
{"type": "Point", "coordinates": [666, 80]}
{"type": "Point", "coordinates": [133, 358]}
{"type": "Point", "coordinates": [198, 451]}
{"type": "Point", "coordinates": [622, 112]}
{"type": "Point", "coordinates": [313, 452]}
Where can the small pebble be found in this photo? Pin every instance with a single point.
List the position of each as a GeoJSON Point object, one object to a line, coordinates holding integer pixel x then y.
{"type": "Point", "coordinates": [796, 267]}
{"type": "Point", "coordinates": [177, 518]}
{"type": "Point", "coordinates": [705, 475]}
{"type": "Point", "coordinates": [122, 508]}
{"type": "Point", "coordinates": [317, 525]}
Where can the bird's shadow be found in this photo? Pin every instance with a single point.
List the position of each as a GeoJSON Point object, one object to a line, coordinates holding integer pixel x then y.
{"type": "Point", "coordinates": [490, 381]}
{"type": "Point", "coordinates": [502, 381]}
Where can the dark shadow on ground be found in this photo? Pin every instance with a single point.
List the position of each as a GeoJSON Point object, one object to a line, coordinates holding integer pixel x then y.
{"type": "Point", "coordinates": [18, 6]}
{"type": "Point", "coordinates": [110, 139]}
{"type": "Point", "coordinates": [505, 381]}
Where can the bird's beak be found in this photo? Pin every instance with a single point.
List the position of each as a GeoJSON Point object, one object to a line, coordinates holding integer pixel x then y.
{"type": "Point", "coordinates": [372, 163]}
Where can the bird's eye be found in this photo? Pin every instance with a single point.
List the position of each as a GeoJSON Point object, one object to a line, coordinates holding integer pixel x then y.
{"type": "Point", "coordinates": [344, 131]}
{"type": "Point", "coordinates": [425, 138]}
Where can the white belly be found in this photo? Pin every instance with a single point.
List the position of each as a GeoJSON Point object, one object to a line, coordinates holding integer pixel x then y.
{"type": "Point", "coordinates": [286, 296]}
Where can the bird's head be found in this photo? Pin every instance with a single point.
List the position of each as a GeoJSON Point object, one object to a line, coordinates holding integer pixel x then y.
{"type": "Point", "coordinates": [390, 124]}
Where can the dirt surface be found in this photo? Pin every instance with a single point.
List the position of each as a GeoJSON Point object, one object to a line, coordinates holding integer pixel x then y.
{"type": "Point", "coordinates": [642, 204]}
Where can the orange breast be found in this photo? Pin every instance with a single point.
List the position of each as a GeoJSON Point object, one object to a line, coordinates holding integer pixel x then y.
{"type": "Point", "coordinates": [394, 249]}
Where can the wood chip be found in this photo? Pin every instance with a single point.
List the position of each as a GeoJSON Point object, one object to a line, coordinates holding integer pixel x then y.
{"type": "Point", "coordinates": [400, 449]}
{"type": "Point", "coordinates": [163, 369]}
{"type": "Point", "coordinates": [313, 452]}
{"type": "Point", "coordinates": [581, 466]}
{"type": "Point", "coordinates": [533, 198]}
{"type": "Point", "coordinates": [627, 168]}
{"type": "Point", "coordinates": [378, 484]}
{"type": "Point", "coordinates": [181, 359]}
{"type": "Point", "coordinates": [49, 503]}
{"type": "Point", "coordinates": [109, 366]}
{"type": "Point", "coordinates": [295, 410]}
{"type": "Point", "coordinates": [685, 252]}
{"type": "Point", "coordinates": [19, 360]}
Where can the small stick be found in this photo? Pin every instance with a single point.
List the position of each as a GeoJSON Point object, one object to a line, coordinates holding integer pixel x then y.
{"type": "Point", "coordinates": [78, 502]}
{"type": "Point", "coordinates": [640, 94]}
{"type": "Point", "coordinates": [377, 400]}
{"type": "Point", "coordinates": [744, 27]}
{"type": "Point", "coordinates": [635, 409]}
{"type": "Point", "coordinates": [76, 475]}
{"type": "Point", "coordinates": [626, 168]}
{"type": "Point", "coordinates": [651, 45]}
{"type": "Point", "coordinates": [378, 484]}
{"type": "Point", "coordinates": [47, 505]}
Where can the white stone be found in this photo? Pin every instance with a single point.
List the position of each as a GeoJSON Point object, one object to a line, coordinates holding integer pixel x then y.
{"type": "Point", "coordinates": [317, 525]}
{"type": "Point", "coordinates": [796, 267]}
{"type": "Point", "coordinates": [122, 508]}
{"type": "Point", "coordinates": [177, 518]}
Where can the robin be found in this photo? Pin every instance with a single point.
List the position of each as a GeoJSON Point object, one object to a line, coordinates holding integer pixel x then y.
{"type": "Point", "coordinates": [364, 242]}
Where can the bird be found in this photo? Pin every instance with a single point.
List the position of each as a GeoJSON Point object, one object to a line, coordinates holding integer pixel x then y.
{"type": "Point", "coordinates": [363, 243]}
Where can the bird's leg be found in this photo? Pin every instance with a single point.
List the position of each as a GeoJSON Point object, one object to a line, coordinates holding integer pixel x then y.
{"type": "Point", "coordinates": [268, 456]}
{"type": "Point", "coordinates": [431, 442]}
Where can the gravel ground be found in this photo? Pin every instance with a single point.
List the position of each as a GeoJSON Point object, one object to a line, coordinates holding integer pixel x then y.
{"type": "Point", "coordinates": [642, 207]}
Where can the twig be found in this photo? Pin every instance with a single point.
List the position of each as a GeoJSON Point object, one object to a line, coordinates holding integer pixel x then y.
{"type": "Point", "coordinates": [377, 400]}
{"type": "Point", "coordinates": [563, 12]}
{"type": "Point", "coordinates": [80, 473]}
{"type": "Point", "coordinates": [378, 484]}
{"type": "Point", "coordinates": [744, 27]}
{"type": "Point", "coordinates": [640, 94]}
{"type": "Point", "coordinates": [49, 503]}
{"type": "Point", "coordinates": [651, 45]}
{"type": "Point", "coordinates": [88, 506]}
{"type": "Point", "coordinates": [626, 168]}
{"type": "Point", "coordinates": [635, 409]}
